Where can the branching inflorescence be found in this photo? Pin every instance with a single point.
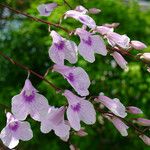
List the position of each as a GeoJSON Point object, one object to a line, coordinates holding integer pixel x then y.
{"type": "Point", "coordinates": [30, 102]}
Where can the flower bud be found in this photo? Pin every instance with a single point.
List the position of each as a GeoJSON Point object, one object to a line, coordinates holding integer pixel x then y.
{"type": "Point", "coordinates": [138, 45]}
{"type": "Point", "coordinates": [134, 110]}
{"type": "Point", "coordinates": [143, 122]}
{"type": "Point", "coordinates": [81, 132]}
{"type": "Point", "coordinates": [112, 25]}
{"type": "Point", "coordinates": [94, 11]}
{"type": "Point", "coordinates": [145, 56]}
{"type": "Point", "coordinates": [104, 30]}
{"type": "Point", "coordinates": [120, 60]}
{"type": "Point", "coordinates": [145, 139]}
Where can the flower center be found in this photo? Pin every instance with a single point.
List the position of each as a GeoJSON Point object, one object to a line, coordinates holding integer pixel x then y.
{"type": "Point", "coordinates": [46, 11]}
{"type": "Point", "coordinates": [71, 77]}
{"type": "Point", "coordinates": [88, 41]}
{"type": "Point", "coordinates": [28, 95]}
{"type": "Point", "coordinates": [60, 45]}
{"type": "Point", "coordinates": [13, 126]}
{"type": "Point", "coordinates": [76, 107]}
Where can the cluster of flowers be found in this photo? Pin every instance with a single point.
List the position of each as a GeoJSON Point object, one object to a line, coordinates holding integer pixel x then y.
{"type": "Point", "coordinates": [30, 102]}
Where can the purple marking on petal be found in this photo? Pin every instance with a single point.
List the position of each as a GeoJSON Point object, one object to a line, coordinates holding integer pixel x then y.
{"type": "Point", "coordinates": [60, 46]}
{"type": "Point", "coordinates": [29, 98]}
{"type": "Point", "coordinates": [71, 77]}
{"type": "Point", "coordinates": [82, 19]}
{"type": "Point", "coordinates": [46, 11]}
{"type": "Point", "coordinates": [76, 107]}
{"type": "Point", "coordinates": [88, 41]}
{"type": "Point", "coordinates": [13, 126]}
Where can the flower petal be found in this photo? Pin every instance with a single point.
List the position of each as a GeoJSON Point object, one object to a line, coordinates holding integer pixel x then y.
{"type": "Point", "coordinates": [39, 107]}
{"type": "Point", "coordinates": [57, 56]}
{"type": "Point", "coordinates": [19, 108]}
{"type": "Point", "coordinates": [24, 131]}
{"type": "Point", "coordinates": [73, 119]}
{"type": "Point", "coordinates": [62, 130]}
{"type": "Point", "coordinates": [99, 46]}
{"type": "Point", "coordinates": [8, 139]}
{"type": "Point", "coordinates": [87, 112]}
{"type": "Point", "coordinates": [71, 51]}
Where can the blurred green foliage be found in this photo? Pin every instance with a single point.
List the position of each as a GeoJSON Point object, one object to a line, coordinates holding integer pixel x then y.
{"type": "Point", "coordinates": [27, 42]}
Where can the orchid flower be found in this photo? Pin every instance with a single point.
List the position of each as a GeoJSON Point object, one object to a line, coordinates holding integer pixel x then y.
{"type": "Point", "coordinates": [76, 76]}
{"type": "Point", "coordinates": [62, 49]}
{"type": "Point", "coordinates": [78, 110]}
{"type": "Point", "coordinates": [46, 9]}
{"type": "Point", "coordinates": [90, 44]}
{"type": "Point", "coordinates": [114, 105]}
{"type": "Point", "coordinates": [54, 120]}
{"type": "Point", "coordinates": [29, 101]}
{"type": "Point", "coordinates": [14, 131]}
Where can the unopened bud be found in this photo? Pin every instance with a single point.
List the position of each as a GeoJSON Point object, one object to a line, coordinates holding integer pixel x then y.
{"type": "Point", "coordinates": [142, 121]}
{"type": "Point", "coordinates": [145, 139]}
{"type": "Point", "coordinates": [134, 110]}
{"type": "Point", "coordinates": [138, 45]}
{"type": "Point", "coordinates": [94, 11]}
{"type": "Point", "coordinates": [145, 56]}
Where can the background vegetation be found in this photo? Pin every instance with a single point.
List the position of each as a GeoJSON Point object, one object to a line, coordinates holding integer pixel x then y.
{"type": "Point", "coordinates": [27, 42]}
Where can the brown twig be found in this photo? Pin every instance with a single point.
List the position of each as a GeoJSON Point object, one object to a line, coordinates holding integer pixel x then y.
{"type": "Point", "coordinates": [34, 18]}
{"type": "Point", "coordinates": [31, 71]}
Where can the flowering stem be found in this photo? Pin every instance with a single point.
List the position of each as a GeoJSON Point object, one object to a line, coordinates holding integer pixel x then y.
{"type": "Point", "coordinates": [124, 120]}
{"type": "Point", "coordinates": [34, 18]}
{"type": "Point", "coordinates": [31, 71]}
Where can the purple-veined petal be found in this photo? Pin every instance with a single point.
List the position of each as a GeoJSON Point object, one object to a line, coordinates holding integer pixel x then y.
{"type": "Point", "coordinates": [19, 108]}
{"type": "Point", "coordinates": [113, 105]}
{"type": "Point", "coordinates": [62, 130]}
{"type": "Point", "coordinates": [7, 139]}
{"type": "Point", "coordinates": [84, 19]}
{"type": "Point", "coordinates": [99, 45]}
{"type": "Point", "coordinates": [71, 52]}
{"type": "Point", "coordinates": [56, 55]}
{"type": "Point", "coordinates": [86, 52]}
{"type": "Point", "coordinates": [76, 76]}
{"type": "Point", "coordinates": [114, 39]}
{"type": "Point", "coordinates": [24, 131]}
{"type": "Point", "coordinates": [39, 108]}
{"type": "Point", "coordinates": [62, 49]}
{"type": "Point", "coordinates": [73, 119]}
{"type": "Point", "coordinates": [87, 113]}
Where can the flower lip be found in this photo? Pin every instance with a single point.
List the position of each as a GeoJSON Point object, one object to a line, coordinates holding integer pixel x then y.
{"type": "Point", "coordinates": [28, 96]}
{"type": "Point", "coordinates": [88, 41]}
{"type": "Point", "coordinates": [13, 126]}
{"type": "Point", "coordinates": [76, 108]}
{"type": "Point", "coordinates": [71, 77]}
{"type": "Point", "coordinates": [60, 45]}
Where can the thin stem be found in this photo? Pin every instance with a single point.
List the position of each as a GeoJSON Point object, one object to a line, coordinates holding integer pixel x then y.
{"type": "Point", "coordinates": [31, 71]}
{"type": "Point", "coordinates": [34, 18]}
{"type": "Point", "coordinates": [67, 4]}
